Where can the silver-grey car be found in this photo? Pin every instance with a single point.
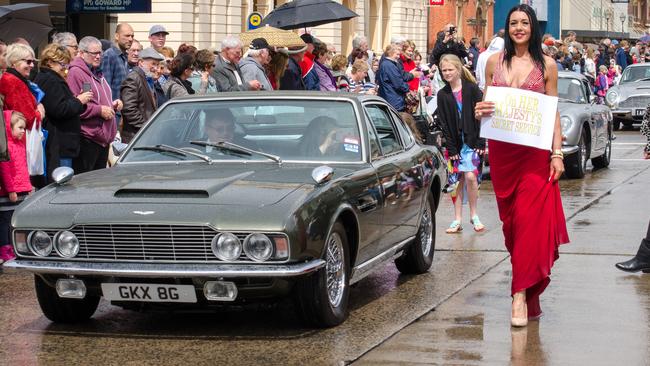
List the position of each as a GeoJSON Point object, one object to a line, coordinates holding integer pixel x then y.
{"type": "Point", "coordinates": [586, 126]}
{"type": "Point", "coordinates": [630, 98]}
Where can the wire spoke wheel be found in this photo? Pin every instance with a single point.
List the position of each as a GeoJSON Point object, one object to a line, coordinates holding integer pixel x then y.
{"type": "Point", "coordinates": [335, 269]}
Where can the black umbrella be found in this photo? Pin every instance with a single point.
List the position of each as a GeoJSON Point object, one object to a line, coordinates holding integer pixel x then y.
{"type": "Point", "coordinates": [27, 20]}
{"type": "Point", "coordinates": [307, 13]}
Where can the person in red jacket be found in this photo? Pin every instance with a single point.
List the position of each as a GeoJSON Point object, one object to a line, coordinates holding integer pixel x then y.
{"type": "Point", "coordinates": [15, 86]}
{"type": "Point", "coordinates": [14, 179]}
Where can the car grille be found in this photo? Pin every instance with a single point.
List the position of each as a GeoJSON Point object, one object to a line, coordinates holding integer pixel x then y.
{"type": "Point", "coordinates": [635, 102]}
{"type": "Point", "coordinates": [147, 243]}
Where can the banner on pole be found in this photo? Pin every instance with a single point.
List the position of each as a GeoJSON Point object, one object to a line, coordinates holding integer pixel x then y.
{"type": "Point", "coordinates": [436, 2]}
{"type": "Point", "coordinates": [520, 117]}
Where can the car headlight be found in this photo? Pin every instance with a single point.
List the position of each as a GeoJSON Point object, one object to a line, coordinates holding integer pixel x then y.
{"type": "Point", "coordinates": [66, 244]}
{"type": "Point", "coordinates": [258, 247]}
{"type": "Point", "coordinates": [226, 246]}
{"type": "Point", "coordinates": [40, 243]}
{"type": "Point", "coordinates": [566, 123]}
{"type": "Point", "coordinates": [20, 243]}
{"type": "Point", "coordinates": [612, 97]}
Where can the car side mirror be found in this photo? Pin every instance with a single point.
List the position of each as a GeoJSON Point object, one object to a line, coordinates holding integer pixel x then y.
{"type": "Point", "coordinates": [118, 148]}
{"type": "Point", "coordinates": [62, 175]}
{"type": "Point", "coordinates": [592, 99]}
{"type": "Point", "coordinates": [322, 174]}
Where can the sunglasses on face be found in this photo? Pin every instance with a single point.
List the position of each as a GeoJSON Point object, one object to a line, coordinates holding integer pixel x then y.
{"type": "Point", "coordinates": [94, 54]}
{"type": "Point", "coordinates": [29, 61]}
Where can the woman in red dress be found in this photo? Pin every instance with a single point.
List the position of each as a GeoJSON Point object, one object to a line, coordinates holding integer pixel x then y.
{"type": "Point", "coordinates": [525, 178]}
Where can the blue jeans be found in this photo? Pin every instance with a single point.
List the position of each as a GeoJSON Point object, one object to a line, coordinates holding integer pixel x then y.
{"type": "Point", "coordinates": [65, 162]}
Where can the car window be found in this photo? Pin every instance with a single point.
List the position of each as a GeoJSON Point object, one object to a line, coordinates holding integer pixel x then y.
{"type": "Point", "coordinates": [404, 131]}
{"type": "Point", "coordinates": [293, 129]}
{"type": "Point", "coordinates": [388, 136]}
{"type": "Point", "coordinates": [632, 74]}
{"type": "Point", "coordinates": [373, 141]}
{"type": "Point", "coordinates": [571, 89]}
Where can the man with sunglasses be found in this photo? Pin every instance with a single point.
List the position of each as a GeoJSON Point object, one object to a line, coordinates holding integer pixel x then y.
{"type": "Point", "coordinates": [98, 126]}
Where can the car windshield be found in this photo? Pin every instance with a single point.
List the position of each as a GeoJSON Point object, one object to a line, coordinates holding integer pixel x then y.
{"type": "Point", "coordinates": [570, 89]}
{"type": "Point", "coordinates": [260, 130]}
{"type": "Point", "coordinates": [637, 73]}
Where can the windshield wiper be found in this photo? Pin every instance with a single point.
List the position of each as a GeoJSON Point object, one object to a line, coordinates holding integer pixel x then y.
{"type": "Point", "coordinates": [174, 150]}
{"type": "Point", "coordinates": [238, 149]}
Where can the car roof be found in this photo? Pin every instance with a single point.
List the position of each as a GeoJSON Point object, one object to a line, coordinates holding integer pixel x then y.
{"type": "Point", "coordinates": [571, 74]}
{"type": "Point", "coordinates": [639, 65]}
{"type": "Point", "coordinates": [280, 94]}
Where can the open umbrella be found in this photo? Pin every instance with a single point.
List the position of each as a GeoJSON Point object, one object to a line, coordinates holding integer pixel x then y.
{"type": "Point", "coordinates": [307, 13]}
{"type": "Point", "coordinates": [645, 38]}
{"type": "Point", "coordinates": [274, 36]}
{"type": "Point", "coordinates": [27, 20]}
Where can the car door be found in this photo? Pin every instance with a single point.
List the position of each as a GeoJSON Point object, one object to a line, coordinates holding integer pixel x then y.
{"type": "Point", "coordinates": [391, 167]}
{"type": "Point", "coordinates": [597, 120]}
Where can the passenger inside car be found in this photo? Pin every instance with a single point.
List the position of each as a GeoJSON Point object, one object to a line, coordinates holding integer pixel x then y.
{"type": "Point", "coordinates": [323, 138]}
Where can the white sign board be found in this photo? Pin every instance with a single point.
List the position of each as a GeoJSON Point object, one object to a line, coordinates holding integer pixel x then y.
{"type": "Point", "coordinates": [520, 117]}
{"type": "Point", "coordinates": [540, 7]}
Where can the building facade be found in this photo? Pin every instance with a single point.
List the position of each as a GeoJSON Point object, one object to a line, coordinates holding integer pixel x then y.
{"type": "Point", "coordinates": [638, 17]}
{"type": "Point", "coordinates": [204, 23]}
{"type": "Point", "coordinates": [593, 20]}
{"type": "Point", "coordinates": [472, 18]}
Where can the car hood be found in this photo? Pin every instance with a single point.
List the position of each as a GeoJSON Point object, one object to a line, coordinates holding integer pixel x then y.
{"type": "Point", "coordinates": [256, 185]}
{"type": "Point", "coordinates": [566, 108]}
{"type": "Point", "coordinates": [634, 88]}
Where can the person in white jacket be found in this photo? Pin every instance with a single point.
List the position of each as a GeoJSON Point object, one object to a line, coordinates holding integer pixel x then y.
{"type": "Point", "coordinates": [496, 45]}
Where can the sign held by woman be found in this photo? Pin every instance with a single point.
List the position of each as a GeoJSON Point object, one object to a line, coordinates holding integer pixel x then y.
{"type": "Point", "coordinates": [520, 117]}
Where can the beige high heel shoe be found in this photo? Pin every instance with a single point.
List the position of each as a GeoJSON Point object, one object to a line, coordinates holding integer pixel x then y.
{"type": "Point", "coordinates": [520, 322]}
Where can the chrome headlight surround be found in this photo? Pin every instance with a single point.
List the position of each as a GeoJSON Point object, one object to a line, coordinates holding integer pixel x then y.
{"type": "Point", "coordinates": [20, 243]}
{"type": "Point", "coordinates": [66, 244]}
{"type": "Point", "coordinates": [39, 243]}
{"type": "Point", "coordinates": [612, 98]}
{"type": "Point", "coordinates": [226, 246]}
{"type": "Point", "coordinates": [258, 247]}
{"type": "Point", "coordinates": [565, 123]}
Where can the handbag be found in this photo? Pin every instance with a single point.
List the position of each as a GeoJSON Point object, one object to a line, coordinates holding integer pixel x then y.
{"type": "Point", "coordinates": [35, 155]}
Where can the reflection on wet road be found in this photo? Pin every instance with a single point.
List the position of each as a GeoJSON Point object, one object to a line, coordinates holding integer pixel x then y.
{"type": "Point", "coordinates": [458, 313]}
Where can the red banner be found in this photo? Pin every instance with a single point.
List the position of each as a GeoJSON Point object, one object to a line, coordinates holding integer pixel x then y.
{"type": "Point", "coordinates": [436, 2]}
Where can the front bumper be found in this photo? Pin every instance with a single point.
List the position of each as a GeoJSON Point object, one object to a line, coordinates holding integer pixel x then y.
{"type": "Point", "coordinates": [158, 270]}
{"type": "Point", "coordinates": [631, 114]}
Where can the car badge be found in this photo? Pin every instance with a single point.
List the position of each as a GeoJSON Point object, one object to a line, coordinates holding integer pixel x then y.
{"type": "Point", "coordinates": [144, 213]}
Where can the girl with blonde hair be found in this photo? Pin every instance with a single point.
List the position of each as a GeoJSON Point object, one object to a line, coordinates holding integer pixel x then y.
{"type": "Point", "coordinates": [462, 132]}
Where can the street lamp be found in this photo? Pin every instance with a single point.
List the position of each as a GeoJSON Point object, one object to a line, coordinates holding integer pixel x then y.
{"type": "Point", "coordinates": [622, 18]}
{"type": "Point", "coordinates": [609, 14]}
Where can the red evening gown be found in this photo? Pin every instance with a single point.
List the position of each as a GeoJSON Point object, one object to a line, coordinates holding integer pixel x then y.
{"type": "Point", "coordinates": [530, 206]}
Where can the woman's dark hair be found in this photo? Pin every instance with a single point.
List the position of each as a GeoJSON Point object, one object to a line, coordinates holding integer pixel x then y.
{"type": "Point", "coordinates": [186, 48]}
{"type": "Point", "coordinates": [180, 63]}
{"type": "Point", "coordinates": [535, 42]}
{"type": "Point", "coordinates": [320, 49]}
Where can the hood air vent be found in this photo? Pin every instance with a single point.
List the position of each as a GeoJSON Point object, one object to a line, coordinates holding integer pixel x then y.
{"type": "Point", "coordinates": [160, 193]}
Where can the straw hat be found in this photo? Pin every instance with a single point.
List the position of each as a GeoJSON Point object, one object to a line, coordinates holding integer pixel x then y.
{"type": "Point", "coordinates": [274, 36]}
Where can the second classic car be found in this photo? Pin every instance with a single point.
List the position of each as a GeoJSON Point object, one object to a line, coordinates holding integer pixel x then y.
{"type": "Point", "coordinates": [237, 197]}
{"type": "Point", "coordinates": [630, 98]}
{"type": "Point", "coordinates": [586, 126]}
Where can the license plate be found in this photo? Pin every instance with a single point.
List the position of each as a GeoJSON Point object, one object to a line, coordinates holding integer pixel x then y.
{"type": "Point", "coordinates": [148, 292]}
{"type": "Point", "coordinates": [639, 112]}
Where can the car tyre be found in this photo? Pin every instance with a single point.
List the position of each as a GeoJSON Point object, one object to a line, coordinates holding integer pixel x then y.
{"type": "Point", "coordinates": [603, 161]}
{"type": "Point", "coordinates": [62, 310]}
{"type": "Point", "coordinates": [322, 297]}
{"type": "Point", "coordinates": [418, 256]}
{"type": "Point", "coordinates": [576, 164]}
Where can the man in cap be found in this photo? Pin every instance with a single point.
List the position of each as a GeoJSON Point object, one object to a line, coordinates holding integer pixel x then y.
{"type": "Point", "coordinates": [292, 78]}
{"type": "Point", "coordinates": [115, 63]}
{"type": "Point", "coordinates": [226, 68]}
{"type": "Point", "coordinates": [309, 75]}
{"type": "Point", "coordinates": [137, 93]}
{"type": "Point", "coordinates": [157, 37]}
{"type": "Point", "coordinates": [252, 67]}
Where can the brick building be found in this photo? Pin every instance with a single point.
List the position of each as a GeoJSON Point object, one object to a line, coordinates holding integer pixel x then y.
{"type": "Point", "coordinates": [473, 18]}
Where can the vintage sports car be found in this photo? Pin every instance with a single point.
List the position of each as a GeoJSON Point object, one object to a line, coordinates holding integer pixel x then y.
{"type": "Point", "coordinates": [630, 98]}
{"type": "Point", "coordinates": [237, 197]}
{"type": "Point", "coordinates": [586, 126]}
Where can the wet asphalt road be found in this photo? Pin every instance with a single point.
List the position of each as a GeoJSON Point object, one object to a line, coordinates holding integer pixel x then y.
{"type": "Point", "coordinates": [458, 313]}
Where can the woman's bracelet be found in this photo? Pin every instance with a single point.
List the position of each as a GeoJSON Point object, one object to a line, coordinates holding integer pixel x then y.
{"type": "Point", "coordinates": [557, 156]}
